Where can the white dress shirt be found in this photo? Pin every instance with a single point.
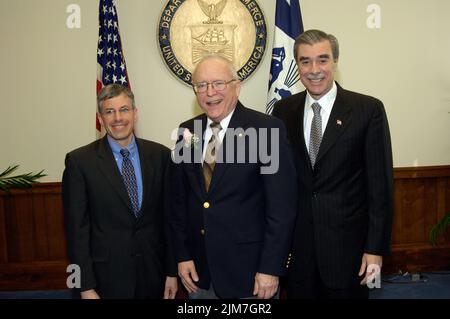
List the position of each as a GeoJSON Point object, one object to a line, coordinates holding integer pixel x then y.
{"type": "Point", "coordinates": [208, 132]}
{"type": "Point", "coordinates": [326, 105]}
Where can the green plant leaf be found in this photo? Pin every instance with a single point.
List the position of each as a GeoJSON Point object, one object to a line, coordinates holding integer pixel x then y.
{"type": "Point", "coordinates": [19, 181]}
{"type": "Point", "coordinates": [439, 229]}
{"type": "Point", "coordinates": [9, 170]}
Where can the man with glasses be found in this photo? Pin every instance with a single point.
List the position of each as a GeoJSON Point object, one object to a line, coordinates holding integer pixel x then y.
{"type": "Point", "coordinates": [231, 220]}
{"type": "Point", "coordinates": [114, 195]}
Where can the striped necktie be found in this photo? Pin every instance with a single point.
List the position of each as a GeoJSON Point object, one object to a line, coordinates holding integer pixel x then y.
{"type": "Point", "coordinates": [129, 179]}
{"type": "Point", "coordinates": [316, 134]}
{"type": "Point", "coordinates": [210, 156]}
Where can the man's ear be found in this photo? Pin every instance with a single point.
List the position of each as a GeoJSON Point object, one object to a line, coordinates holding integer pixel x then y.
{"type": "Point", "coordinates": [136, 114]}
{"type": "Point", "coordinates": [238, 87]}
{"type": "Point", "coordinates": [335, 65]}
{"type": "Point", "coordinates": [99, 116]}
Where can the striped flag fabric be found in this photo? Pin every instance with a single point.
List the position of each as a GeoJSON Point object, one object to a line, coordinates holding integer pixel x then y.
{"type": "Point", "coordinates": [284, 78]}
{"type": "Point", "coordinates": [111, 67]}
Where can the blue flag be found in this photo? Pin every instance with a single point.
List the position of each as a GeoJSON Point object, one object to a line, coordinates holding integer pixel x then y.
{"type": "Point", "coordinates": [284, 77]}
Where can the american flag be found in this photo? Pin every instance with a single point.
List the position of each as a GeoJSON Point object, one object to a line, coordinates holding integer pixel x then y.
{"type": "Point", "coordinates": [111, 66]}
{"type": "Point", "coordinates": [284, 78]}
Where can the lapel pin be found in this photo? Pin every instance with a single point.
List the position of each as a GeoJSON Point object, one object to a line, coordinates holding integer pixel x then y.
{"type": "Point", "coordinates": [339, 122]}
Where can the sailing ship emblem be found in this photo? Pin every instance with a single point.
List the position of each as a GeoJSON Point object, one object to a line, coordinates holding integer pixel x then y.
{"type": "Point", "coordinates": [212, 36]}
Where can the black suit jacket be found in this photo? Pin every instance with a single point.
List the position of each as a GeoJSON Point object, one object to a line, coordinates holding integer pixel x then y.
{"type": "Point", "coordinates": [243, 225]}
{"type": "Point", "coordinates": [346, 202]}
{"type": "Point", "coordinates": [104, 238]}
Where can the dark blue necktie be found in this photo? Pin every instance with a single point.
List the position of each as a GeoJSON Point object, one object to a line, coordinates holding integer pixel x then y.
{"type": "Point", "coordinates": [129, 178]}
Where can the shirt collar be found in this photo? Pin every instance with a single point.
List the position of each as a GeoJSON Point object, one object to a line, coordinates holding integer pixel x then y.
{"type": "Point", "coordinates": [326, 102]}
{"type": "Point", "coordinates": [115, 147]}
{"type": "Point", "coordinates": [224, 123]}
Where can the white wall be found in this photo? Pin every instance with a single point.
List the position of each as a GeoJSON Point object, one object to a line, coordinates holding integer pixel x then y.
{"type": "Point", "coordinates": [48, 74]}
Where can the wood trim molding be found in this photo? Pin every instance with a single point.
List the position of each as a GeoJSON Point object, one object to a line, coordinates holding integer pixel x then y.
{"type": "Point", "coordinates": [38, 188]}
{"type": "Point", "coordinates": [421, 172]}
{"type": "Point", "coordinates": [34, 275]}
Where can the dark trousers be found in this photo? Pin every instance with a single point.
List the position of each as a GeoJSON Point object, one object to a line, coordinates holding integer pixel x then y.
{"type": "Point", "coordinates": [312, 287]}
{"type": "Point", "coordinates": [211, 294]}
{"type": "Point", "coordinates": [148, 287]}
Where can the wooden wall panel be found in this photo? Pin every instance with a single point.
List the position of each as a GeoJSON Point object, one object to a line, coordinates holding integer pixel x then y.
{"type": "Point", "coordinates": [446, 207]}
{"type": "Point", "coordinates": [3, 250]}
{"type": "Point", "coordinates": [33, 246]}
{"type": "Point", "coordinates": [35, 275]}
{"type": "Point", "coordinates": [414, 210]}
{"type": "Point", "coordinates": [422, 197]}
{"type": "Point", "coordinates": [19, 228]}
{"type": "Point", "coordinates": [40, 238]}
{"type": "Point", "coordinates": [55, 227]}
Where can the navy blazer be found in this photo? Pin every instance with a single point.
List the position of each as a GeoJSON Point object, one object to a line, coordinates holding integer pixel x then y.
{"type": "Point", "coordinates": [346, 202]}
{"type": "Point", "coordinates": [243, 224]}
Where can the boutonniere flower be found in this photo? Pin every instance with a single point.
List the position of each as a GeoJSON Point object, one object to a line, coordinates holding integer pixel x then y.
{"type": "Point", "coordinates": [190, 140]}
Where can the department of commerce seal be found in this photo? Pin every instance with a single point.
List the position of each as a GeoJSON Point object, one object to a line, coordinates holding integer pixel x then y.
{"type": "Point", "coordinates": [191, 29]}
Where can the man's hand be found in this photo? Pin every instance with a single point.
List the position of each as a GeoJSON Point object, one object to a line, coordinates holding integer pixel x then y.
{"type": "Point", "coordinates": [171, 287]}
{"type": "Point", "coordinates": [188, 274]}
{"type": "Point", "coordinates": [266, 286]}
{"type": "Point", "coordinates": [368, 260]}
{"type": "Point", "coordinates": [89, 294]}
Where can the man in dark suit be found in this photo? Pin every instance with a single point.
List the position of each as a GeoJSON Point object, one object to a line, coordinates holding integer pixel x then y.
{"type": "Point", "coordinates": [115, 203]}
{"type": "Point", "coordinates": [343, 155]}
{"type": "Point", "coordinates": [233, 192]}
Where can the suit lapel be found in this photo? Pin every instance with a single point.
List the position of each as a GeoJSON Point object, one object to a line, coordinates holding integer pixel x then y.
{"type": "Point", "coordinates": [295, 123]}
{"type": "Point", "coordinates": [238, 120]}
{"type": "Point", "coordinates": [147, 170]}
{"type": "Point", "coordinates": [295, 126]}
{"type": "Point", "coordinates": [194, 169]}
{"type": "Point", "coordinates": [198, 166]}
{"type": "Point", "coordinates": [339, 120]}
{"type": "Point", "coordinates": [108, 167]}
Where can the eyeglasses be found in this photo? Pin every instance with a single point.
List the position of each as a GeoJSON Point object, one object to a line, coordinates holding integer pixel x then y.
{"type": "Point", "coordinates": [124, 110]}
{"type": "Point", "coordinates": [218, 85]}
